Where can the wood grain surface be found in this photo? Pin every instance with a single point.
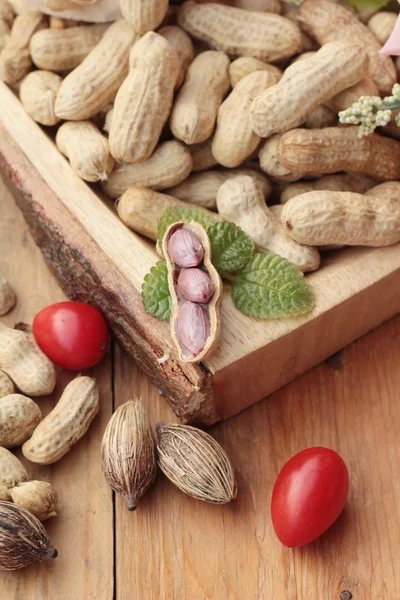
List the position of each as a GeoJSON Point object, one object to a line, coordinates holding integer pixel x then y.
{"type": "Point", "coordinates": [176, 548]}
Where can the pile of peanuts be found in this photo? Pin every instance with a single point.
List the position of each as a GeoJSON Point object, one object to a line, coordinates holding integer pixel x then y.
{"type": "Point", "coordinates": [26, 373]}
{"type": "Point", "coordinates": [226, 107]}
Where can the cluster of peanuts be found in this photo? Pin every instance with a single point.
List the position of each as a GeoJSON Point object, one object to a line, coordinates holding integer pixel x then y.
{"type": "Point", "coordinates": [27, 373]}
{"type": "Point", "coordinates": [224, 106]}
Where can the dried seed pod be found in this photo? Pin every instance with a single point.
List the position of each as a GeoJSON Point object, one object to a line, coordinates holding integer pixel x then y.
{"type": "Point", "coordinates": [336, 149]}
{"type": "Point", "coordinates": [344, 99]}
{"type": "Point", "coordinates": [7, 296]}
{"type": "Point", "coordinates": [94, 83]}
{"type": "Point", "coordinates": [38, 497]}
{"type": "Point", "coordinates": [141, 210]}
{"type": "Point", "coordinates": [195, 285]}
{"type": "Point", "coordinates": [239, 32]}
{"type": "Point", "coordinates": [305, 85]}
{"type": "Point", "coordinates": [169, 165]}
{"type": "Point", "coordinates": [245, 65]}
{"type": "Point", "coordinates": [382, 24]}
{"type": "Point", "coordinates": [327, 22]}
{"type": "Point", "coordinates": [346, 182]}
{"type": "Point", "coordinates": [15, 58]}
{"type": "Point", "coordinates": [270, 163]}
{"type": "Point", "coordinates": [324, 218]}
{"type": "Point", "coordinates": [196, 334]}
{"type": "Point", "coordinates": [23, 361]}
{"type": "Point", "coordinates": [390, 190]}
{"type": "Point", "coordinates": [239, 201]}
{"type": "Point", "coordinates": [144, 100]}
{"type": "Point", "coordinates": [60, 24]}
{"type": "Point", "coordinates": [23, 539]}
{"type": "Point", "coordinates": [196, 463]}
{"type": "Point", "coordinates": [202, 188]}
{"type": "Point", "coordinates": [127, 453]}
{"type": "Point", "coordinates": [234, 139]}
{"type": "Point", "coordinates": [19, 416]}
{"type": "Point", "coordinates": [6, 385]}
{"type": "Point", "coordinates": [66, 424]}
{"type": "Point", "coordinates": [144, 15]}
{"type": "Point", "coordinates": [38, 93]}
{"type": "Point", "coordinates": [196, 107]}
{"type": "Point", "coordinates": [12, 471]}
{"type": "Point", "coordinates": [302, 56]}
{"type": "Point", "coordinates": [65, 49]}
{"type": "Point", "coordinates": [87, 150]}
{"type": "Point", "coordinates": [179, 39]}
{"type": "Point", "coordinates": [202, 156]}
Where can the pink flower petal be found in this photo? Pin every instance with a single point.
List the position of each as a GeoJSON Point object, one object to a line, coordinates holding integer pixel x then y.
{"type": "Point", "coordinates": [392, 46]}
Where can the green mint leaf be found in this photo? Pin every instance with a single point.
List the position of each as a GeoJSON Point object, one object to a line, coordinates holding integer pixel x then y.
{"type": "Point", "coordinates": [155, 292]}
{"type": "Point", "coordinates": [269, 287]}
{"type": "Point", "coordinates": [360, 4]}
{"type": "Point", "coordinates": [185, 213]}
{"type": "Point", "coordinates": [231, 247]}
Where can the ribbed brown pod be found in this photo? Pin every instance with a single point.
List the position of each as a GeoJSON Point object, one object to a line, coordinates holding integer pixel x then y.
{"type": "Point", "coordinates": [127, 453]}
{"type": "Point", "coordinates": [23, 539]}
{"type": "Point", "coordinates": [196, 463]}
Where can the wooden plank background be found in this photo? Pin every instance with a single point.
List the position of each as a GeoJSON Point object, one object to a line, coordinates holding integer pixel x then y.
{"type": "Point", "coordinates": [176, 548]}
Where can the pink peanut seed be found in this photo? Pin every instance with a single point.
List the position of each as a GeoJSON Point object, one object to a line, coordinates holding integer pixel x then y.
{"type": "Point", "coordinates": [195, 285]}
{"type": "Point", "coordinates": [185, 248]}
{"type": "Point", "coordinates": [192, 327]}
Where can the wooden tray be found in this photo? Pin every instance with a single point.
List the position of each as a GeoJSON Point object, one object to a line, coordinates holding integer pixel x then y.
{"type": "Point", "coordinates": [98, 260]}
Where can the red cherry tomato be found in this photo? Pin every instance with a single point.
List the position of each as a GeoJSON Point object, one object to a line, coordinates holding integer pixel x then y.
{"type": "Point", "coordinates": [309, 494]}
{"type": "Point", "coordinates": [73, 335]}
